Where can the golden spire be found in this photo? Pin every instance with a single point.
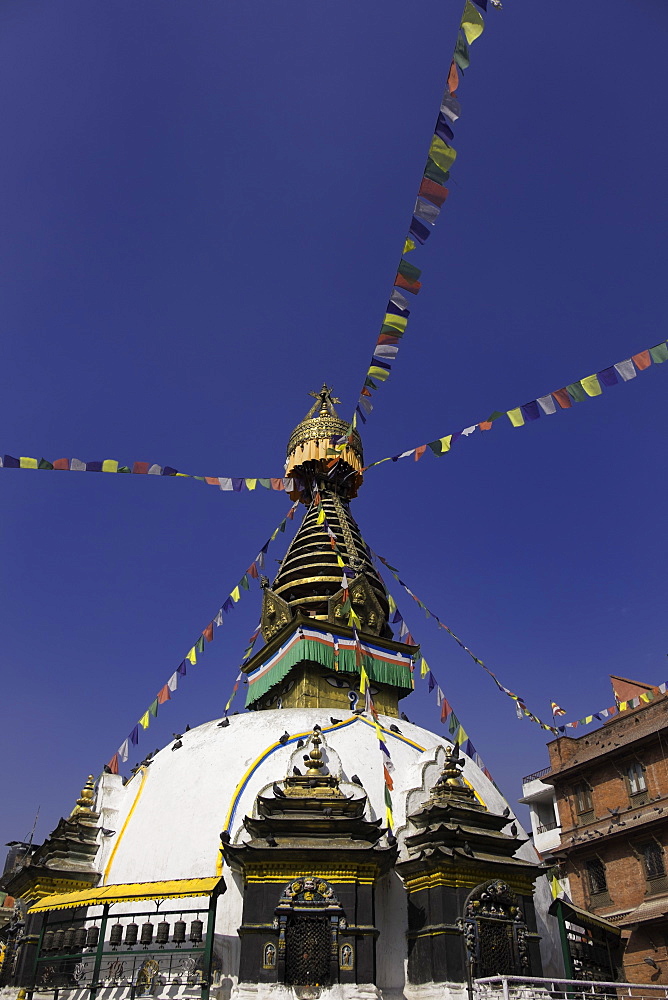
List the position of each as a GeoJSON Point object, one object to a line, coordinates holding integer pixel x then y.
{"type": "Point", "coordinates": [86, 801]}
{"type": "Point", "coordinates": [311, 452]}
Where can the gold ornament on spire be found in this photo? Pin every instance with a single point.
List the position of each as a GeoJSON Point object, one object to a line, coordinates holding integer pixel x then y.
{"type": "Point", "coordinates": [86, 801]}
{"type": "Point", "coordinates": [312, 454]}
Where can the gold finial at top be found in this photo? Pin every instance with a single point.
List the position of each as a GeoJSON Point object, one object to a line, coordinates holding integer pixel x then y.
{"type": "Point", "coordinates": [451, 775]}
{"type": "Point", "coordinates": [86, 801]}
{"type": "Point", "coordinates": [315, 761]}
{"type": "Point", "coordinates": [325, 394]}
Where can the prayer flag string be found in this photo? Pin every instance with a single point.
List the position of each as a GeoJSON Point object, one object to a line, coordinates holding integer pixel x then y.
{"type": "Point", "coordinates": [558, 399]}
{"type": "Point", "coordinates": [431, 196]}
{"type": "Point", "coordinates": [198, 647]}
{"type": "Point", "coordinates": [521, 706]}
{"type": "Point", "coordinates": [448, 715]}
{"type": "Point", "coordinates": [225, 483]}
{"type": "Point", "coordinates": [619, 706]}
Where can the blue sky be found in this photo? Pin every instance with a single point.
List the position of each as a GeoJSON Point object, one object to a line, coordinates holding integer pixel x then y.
{"type": "Point", "coordinates": [202, 208]}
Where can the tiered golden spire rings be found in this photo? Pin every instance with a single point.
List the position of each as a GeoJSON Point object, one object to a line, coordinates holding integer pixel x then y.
{"type": "Point", "coordinates": [86, 801]}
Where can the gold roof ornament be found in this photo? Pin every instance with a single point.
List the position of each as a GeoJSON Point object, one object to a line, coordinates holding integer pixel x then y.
{"type": "Point", "coordinates": [86, 801]}
{"type": "Point", "coordinates": [311, 449]}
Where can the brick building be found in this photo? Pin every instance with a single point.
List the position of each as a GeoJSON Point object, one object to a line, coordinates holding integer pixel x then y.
{"type": "Point", "coordinates": [611, 789]}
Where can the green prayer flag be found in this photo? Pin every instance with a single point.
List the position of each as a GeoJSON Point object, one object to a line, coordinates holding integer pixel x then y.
{"type": "Point", "coordinates": [454, 723]}
{"type": "Point", "coordinates": [435, 446]}
{"type": "Point", "coordinates": [388, 798]}
{"type": "Point", "coordinates": [461, 53]}
{"type": "Point", "coordinates": [281, 526]}
{"type": "Point", "coordinates": [472, 22]}
{"type": "Point", "coordinates": [124, 468]}
{"type": "Point", "coordinates": [243, 582]}
{"type": "Point", "coordinates": [153, 708]}
{"type": "Point", "coordinates": [434, 173]}
{"type": "Point", "coordinates": [199, 645]}
{"type": "Point", "coordinates": [43, 464]}
{"type": "Point", "coordinates": [659, 354]}
{"type": "Point", "coordinates": [576, 392]}
{"type": "Point", "coordinates": [266, 483]}
{"type": "Point", "coordinates": [495, 416]}
{"type": "Point", "coordinates": [409, 271]}
{"type": "Point", "coordinates": [394, 331]}
{"type": "Point", "coordinates": [442, 154]}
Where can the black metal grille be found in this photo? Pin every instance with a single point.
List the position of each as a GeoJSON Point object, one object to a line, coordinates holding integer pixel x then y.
{"type": "Point", "coordinates": [307, 950]}
{"type": "Point", "coordinates": [496, 951]}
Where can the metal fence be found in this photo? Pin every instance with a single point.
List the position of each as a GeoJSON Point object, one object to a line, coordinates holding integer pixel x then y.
{"type": "Point", "coordinates": [525, 988]}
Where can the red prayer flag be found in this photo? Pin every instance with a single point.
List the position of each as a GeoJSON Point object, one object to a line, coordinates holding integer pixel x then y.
{"type": "Point", "coordinates": [252, 571]}
{"type": "Point", "coordinates": [290, 514]}
{"type": "Point", "coordinates": [409, 286]}
{"type": "Point", "coordinates": [163, 695]}
{"type": "Point", "coordinates": [433, 192]}
{"type": "Point", "coordinates": [642, 360]}
{"type": "Point", "coordinates": [141, 467]}
{"type": "Point", "coordinates": [445, 709]}
{"type": "Point", "coordinates": [208, 632]}
{"type": "Point", "coordinates": [453, 77]}
{"type": "Point", "coordinates": [62, 463]}
{"type": "Point", "coordinates": [562, 397]}
{"type": "Point", "coordinates": [388, 778]}
{"type": "Point", "coordinates": [384, 338]}
{"type": "Point", "coordinates": [485, 425]}
{"type": "Point", "coordinates": [419, 452]}
{"type": "Point", "coordinates": [277, 484]}
{"type": "Point", "coordinates": [211, 481]}
{"type": "Point", "coordinates": [113, 764]}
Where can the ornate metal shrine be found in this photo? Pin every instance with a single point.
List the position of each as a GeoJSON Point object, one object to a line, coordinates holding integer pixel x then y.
{"type": "Point", "coordinates": [495, 932]}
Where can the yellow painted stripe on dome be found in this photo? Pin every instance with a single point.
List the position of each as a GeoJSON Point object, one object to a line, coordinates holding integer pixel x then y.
{"type": "Point", "coordinates": [178, 888]}
{"type": "Point", "coordinates": [119, 838]}
{"type": "Point", "coordinates": [300, 736]}
{"type": "Point", "coordinates": [257, 762]}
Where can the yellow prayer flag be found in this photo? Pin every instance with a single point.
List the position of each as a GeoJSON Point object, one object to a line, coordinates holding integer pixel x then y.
{"type": "Point", "coordinates": [424, 667]}
{"type": "Point", "coordinates": [144, 721]}
{"type": "Point", "coordinates": [184, 475]}
{"type": "Point", "coordinates": [398, 322]}
{"type": "Point", "coordinates": [236, 594]}
{"type": "Point", "coordinates": [409, 245]}
{"type": "Point", "coordinates": [472, 22]}
{"type": "Point", "coordinates": [591, 385]}
{"type": "Point", "coordinates": [445, 443]}
{"type": "Point", "coordinates": [192, 656]}
{"type": "Point", "coordinates": [461, 736]}
{"type": "Point", "coordinates": [364, 680]}
{"type": "Point", "coordinates": [28, 463]}
{"type": "Point", "coordinates": [251, 484]}
{"type": "Point", "coordinates": [321, 515]}
{"type": "Point", "coordinates": [355, 618]}
{"type": "Point", "coordinates": [555, 887]}
{"type": "Point", "coordinates": [392, 604]}
{"type": "Point", "coordinates": [623, 705]}
{"type": "Point", "coordinates": [110, 465]}
{"type": "Point", "coordinates": [389, 818]}
{"type": "Point", "coordinates": [340, 560]}
{"type": "Point", "coordinates": [516, 418]}
{"type": "Point", "coordinates": [442, 154]}
{"type": "Point", "coordinates": [380, 374]}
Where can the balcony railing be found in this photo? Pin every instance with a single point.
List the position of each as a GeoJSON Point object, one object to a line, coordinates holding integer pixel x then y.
{"type": "Point", "coordinates": [525, 988]}
{"type": "Point", "coordinates": [546, 827]}
{"type": "Point", "coordinates": [536, 774]}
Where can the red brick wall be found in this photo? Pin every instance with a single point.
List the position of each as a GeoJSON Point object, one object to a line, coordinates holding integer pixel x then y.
{"type": "Point", "coordinates": [600, 759]}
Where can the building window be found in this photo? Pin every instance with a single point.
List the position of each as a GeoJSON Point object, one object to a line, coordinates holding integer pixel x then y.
{"type": "Point", "coordinates": [652, 856]}
{"type": "Point", "coordinates": [598, 883]}
{"type": "Point", "coordinates": [635, 775]}
{"type": "Point", "coordinates": [583, 797]}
